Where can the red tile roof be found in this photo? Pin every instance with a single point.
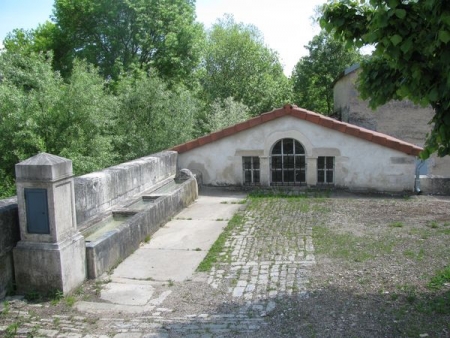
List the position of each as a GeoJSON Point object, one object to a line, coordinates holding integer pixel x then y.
{"type": "Point", "coordinates": [303, 114]}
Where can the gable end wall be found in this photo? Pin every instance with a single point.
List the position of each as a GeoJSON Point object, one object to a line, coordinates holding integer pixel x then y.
{"type": "Point", "coordinates": [359, 164]}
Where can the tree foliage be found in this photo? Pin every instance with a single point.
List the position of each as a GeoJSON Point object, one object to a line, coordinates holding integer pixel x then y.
{"type": "Point", "coordinates": [150, 117]}
{"type": "Point", "coordinates": [111, 80]}
{"type": "Point", "coordinates": [39, 111]}
{"type": "Point", "coordinates": [113, 35]}
{"type": "Point", "coordinates": [314, 74]}
{"type": "Point", "coordinates": [224, 113]}
{"type": "Point", "coordinates": [237, 64]}
{"type": "Point", "coordinates": [412, 49]}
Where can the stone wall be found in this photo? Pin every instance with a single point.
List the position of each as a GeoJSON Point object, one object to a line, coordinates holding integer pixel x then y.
{"type": "Point", "coordinates": [9, 236]}
{"type": "Point", "coordinates": [95, 193]}
{"type": "Point", "coordinates": [401, 119]}
{"type": "Point", "coordinates": [435, 185]}
{"type": "Point", "coordinates": [98, 191]}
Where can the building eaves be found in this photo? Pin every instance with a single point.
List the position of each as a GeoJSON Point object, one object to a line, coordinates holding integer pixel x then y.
{"type": "Point", "coordinates": [303, 114]}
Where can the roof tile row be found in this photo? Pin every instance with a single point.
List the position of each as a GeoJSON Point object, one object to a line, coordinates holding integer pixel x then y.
{"type": "Point", "coordinates": [303, 114]}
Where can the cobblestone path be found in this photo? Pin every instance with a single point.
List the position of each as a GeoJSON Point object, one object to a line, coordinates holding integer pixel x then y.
{"type": "Point", "coordinates": [265, 258]}
{"type": "Point", "coordinates": [270, 254]}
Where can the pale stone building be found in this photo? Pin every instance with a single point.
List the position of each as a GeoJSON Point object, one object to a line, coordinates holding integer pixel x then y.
{"type": "Point", "coordinates": [291, 146]}
{"type": "Point", "coordinates": [400, 119]}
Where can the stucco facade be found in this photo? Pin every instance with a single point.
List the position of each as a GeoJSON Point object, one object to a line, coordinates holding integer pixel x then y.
{"type": "Point", "coordinates": [400, 119]}
{"type": "Point", "coordinates": [361, 159]}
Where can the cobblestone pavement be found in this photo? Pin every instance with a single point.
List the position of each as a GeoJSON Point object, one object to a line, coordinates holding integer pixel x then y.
{"type": "Point", "coordinates": [267, 257]}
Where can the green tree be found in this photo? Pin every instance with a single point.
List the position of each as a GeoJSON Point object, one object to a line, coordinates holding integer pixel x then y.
{"type": "Point", "coordinates": [238, 64]}
{"type": "Point", "coordinates": [113, 35]}
{"type": "Point", "coordinates": [224, 113]}
{"type": "Point", "coordinates": [46, 37]}
{"type": "Point", "coordinates": [150, 117]}
{"type": "Point", "coordinates": [314, 74]}
{"type": "Point", "coordinates": [36, 40]}
{"type": "Point", "coordinates": [39, 111]}
{"type": "Point", "coordinates": [412, 49]}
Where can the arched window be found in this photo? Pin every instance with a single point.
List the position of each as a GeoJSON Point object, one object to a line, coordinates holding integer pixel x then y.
{"type": "Point", "coordinates": [288, 163]}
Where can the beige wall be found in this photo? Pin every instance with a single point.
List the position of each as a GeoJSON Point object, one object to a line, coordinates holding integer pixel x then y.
{"type": "Point", "coordinates": [359, 164]}
{"type": "Point", "coordinates": [401, 119]}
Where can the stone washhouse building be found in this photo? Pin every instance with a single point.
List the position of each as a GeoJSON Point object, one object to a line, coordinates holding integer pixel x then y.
{"type": "Point", "coordinates": [400, 119]}
{"type": "Point", "coordinates": [291, 146]}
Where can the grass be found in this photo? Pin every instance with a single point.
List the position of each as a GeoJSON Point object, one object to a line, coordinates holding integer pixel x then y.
{"type": "Point", "coordinates": [99, 285]}
{"type": "Point", "coordinates": [412, 254]}
{"type": "Point", "coordinates": [397, 224]}
{"type": "Point", "coordinates": [348, 246]}
{"type": "Point", "coordinates": [55, 296]}
{"type": "Point", "coordinates": [441, 278]}
{"type": "Point", "coordinates": [70, 300]}
{"type": "Point", "coordinates": [213, 255]}
{"type": "Point", "coordinates": [433, 224]}
{"type": "Point", "coordinates": [11, 330]}
{"type": "Point", "coordinates": [6, 308]}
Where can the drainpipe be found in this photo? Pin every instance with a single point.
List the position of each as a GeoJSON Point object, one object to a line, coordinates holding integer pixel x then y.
{"type": "Point", "coordinates": [417, 182]}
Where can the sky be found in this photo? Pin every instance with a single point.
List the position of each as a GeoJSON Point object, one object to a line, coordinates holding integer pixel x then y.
{"type": "Point", "coordinates": [286, 24]}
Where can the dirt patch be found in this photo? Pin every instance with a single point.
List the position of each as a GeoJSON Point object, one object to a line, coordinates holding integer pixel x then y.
{"type": "Point", "coordinates": [375, 259]}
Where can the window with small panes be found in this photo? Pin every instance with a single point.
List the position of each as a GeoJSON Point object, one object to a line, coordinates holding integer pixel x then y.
{"type": "Point", "coordinates": [325, 170]}
{"type": "Point", "coordinates": [251, 170]}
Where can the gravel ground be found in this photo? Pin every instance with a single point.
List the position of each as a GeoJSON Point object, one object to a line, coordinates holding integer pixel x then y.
{"type": "Point", "coordinates": [344, 265]}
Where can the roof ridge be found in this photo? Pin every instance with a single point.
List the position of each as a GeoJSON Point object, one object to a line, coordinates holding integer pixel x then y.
{"type": "Point", "coordinates": [310, 116]}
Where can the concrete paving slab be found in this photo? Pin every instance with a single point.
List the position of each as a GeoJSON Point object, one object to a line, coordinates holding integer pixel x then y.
{"type": "Point", "coordinates": [170, 255]}
{"type": "Point", "coordinates": [186, 235]}
{"type": "Point", "coordinates": [159, 265]}
{"type": "Point", "coordinates": [206, 210]}
{"type": "Point", "coordinates": [221, 192]}
{"type": "Point", "coordinates": [127, 294]}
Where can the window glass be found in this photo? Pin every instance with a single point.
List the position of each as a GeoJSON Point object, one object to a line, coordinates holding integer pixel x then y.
{"type": "Point", "coordinates": [288, 163]}
{"type": "Point", "coordinates": [288, 146]}
{"type": "Point", "coordinates": [277, 162]}
{"type": "Point", "coordinates": [299, 148]}
{"type": "Point", "coordinates": [277, 148]}
{"type": "Point", "coordinates": [256, 163]}
{"type": "Point", "coordinates": [329, 176]}
{"type": "Point", "coordinates": [325, 170]}
{"type": "Point", "coordinates": [256, 177]}
{"type": "Point", "coordinates": [330, 162]}
{"type": "Point", "coordinates": [277, 176]}
{"type": "Point", "coordinates": [321, 176]}
{"type": "Point", "coordinates": [320, 162]}
{"type": "Point", "coordinates": [250, 167]}
{"type": "Point", "coordinates": [300, 162]}
{"type": "Point", "coordinates": [247, 162]}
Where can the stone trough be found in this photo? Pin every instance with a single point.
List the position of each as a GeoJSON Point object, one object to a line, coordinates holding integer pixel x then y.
{"type": "Point", "coordinates": [114, 235]}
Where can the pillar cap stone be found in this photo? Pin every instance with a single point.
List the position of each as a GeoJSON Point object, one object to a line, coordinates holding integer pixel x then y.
{"type": "Point", "coordinates": [44, 167]}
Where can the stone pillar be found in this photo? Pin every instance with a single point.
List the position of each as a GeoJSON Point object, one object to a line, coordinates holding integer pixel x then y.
{"type": "Point", "coordinates": [311, 171]}
{"type": "Point", "coordinates": [51, 254]}
{"type": "Point", "coordinates": [264, 167]}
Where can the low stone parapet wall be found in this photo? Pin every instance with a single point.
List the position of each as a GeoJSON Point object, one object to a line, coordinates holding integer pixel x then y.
{"type": "Point", "coordinates": [98, 191]}
{"type": "Point", "coordinates": [432, 185]}
{"type": "Point", "coordinates": [9, 236]}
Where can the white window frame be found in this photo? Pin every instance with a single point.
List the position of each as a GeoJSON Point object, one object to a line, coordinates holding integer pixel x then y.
{"type": "Point", "coordinates": [325, 170]}
{"type": "Point", "coordinates": [255, 167]}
